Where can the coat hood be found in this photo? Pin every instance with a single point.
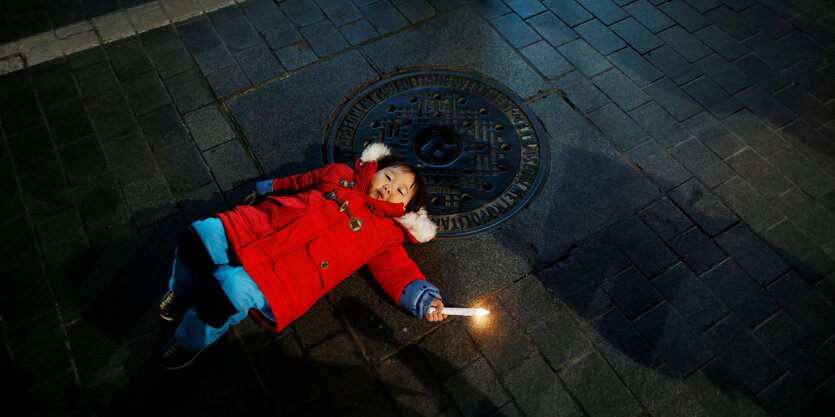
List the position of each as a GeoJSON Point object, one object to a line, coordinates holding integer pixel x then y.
{"type": "Point", "coordinates": [418, 224]}
{"type": "Point", "coordinates": [374, 152]}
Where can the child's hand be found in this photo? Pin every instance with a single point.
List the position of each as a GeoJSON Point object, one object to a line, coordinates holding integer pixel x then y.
{"type": "Point", "coordinates": [438, 314]}
{"type": "Point", "coordinates": [250, 199]}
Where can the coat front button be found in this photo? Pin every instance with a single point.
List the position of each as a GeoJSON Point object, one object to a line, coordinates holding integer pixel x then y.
{"type": "Point", "coordinates": [324, 265]}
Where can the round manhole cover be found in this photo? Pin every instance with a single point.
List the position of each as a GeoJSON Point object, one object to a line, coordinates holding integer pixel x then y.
{"type": "Point", "coordinates": [477, 145]}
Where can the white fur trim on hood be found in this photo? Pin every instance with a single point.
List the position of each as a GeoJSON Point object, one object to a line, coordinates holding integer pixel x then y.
{"type": "Point", "coordinates": [418, 224]}
{"type": "Point", "coordinates": [374, 152]}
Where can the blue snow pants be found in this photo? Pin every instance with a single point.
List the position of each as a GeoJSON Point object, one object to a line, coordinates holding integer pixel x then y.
{"type": "Point", "coordinates": [193, 333]}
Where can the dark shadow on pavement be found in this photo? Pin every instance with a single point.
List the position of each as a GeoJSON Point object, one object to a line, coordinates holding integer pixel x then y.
{"type": "Point", "coordinates": [694, 311]}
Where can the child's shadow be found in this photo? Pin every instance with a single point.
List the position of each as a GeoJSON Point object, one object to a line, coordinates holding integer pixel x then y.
{"type": "Point", "coordinates": [253, 371]}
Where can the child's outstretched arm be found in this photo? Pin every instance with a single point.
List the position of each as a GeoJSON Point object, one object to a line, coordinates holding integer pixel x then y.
{"type": "Point", "coordinates": [294, 182]}
{"type": "Point", "coordinates": [403, 281]}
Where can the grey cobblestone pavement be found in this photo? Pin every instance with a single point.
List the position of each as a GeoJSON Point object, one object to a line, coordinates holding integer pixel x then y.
{"type": "Point", "coordinates": [678, 260]}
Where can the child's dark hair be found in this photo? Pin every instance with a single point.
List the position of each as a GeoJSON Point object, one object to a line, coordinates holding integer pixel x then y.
{"type": "Point", "coordinates": [421, 195]}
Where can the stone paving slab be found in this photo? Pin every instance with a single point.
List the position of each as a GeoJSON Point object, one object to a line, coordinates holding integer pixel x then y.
{"type": "Point", "coordinates": [288, 118]}
{"type": "Point", "coordinates": [677, 260]}
{"type": "Point", "coordinates": [570, 206]}
{"type": "Point", "coordinates": [63, 28]}
{"type": "Point", "coordinates": [477, 48]}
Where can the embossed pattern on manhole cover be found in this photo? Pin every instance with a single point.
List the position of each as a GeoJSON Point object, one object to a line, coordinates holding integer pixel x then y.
{"type": "Point", "coordinates": [479, 148]}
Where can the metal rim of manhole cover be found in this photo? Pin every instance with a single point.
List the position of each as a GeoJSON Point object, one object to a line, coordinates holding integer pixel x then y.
{"type": "Point", "coordinates": [481, 151]}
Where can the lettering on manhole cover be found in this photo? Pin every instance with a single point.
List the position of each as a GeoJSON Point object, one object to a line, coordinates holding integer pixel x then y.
{"type": "Point", "coordinates": [479, 148]}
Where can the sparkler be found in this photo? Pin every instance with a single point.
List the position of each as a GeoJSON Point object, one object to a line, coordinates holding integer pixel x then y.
{"type": "Point", "coordinates": [458, 311]}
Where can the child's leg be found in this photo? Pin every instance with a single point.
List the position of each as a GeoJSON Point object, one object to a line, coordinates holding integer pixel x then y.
{"type": "Point", "coordinates": [183, 280]}
{"type": "Point", "coordinates": [194, 333]}
{"type": "Point", "coordinates": [192, 264]}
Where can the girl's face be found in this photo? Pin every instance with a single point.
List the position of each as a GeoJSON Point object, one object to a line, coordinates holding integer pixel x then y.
{"type": "Point", "coordinates": [392, 184]}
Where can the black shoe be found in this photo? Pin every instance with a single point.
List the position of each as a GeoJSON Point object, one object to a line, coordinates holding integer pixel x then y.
{"type": "Point", "coordinates": [173, 356]}
{"type": "Point", "coordinates": [172, 308]}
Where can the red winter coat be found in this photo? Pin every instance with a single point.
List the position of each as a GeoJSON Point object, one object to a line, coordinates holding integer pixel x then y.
{"type": "Point", "coordinates": [296, 245]}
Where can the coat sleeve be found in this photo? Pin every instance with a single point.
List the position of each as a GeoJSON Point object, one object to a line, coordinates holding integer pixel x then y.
{"type": "Point", "coordinates": [296, 182]}
{"type": "Point", "coordinates": [402, 280]}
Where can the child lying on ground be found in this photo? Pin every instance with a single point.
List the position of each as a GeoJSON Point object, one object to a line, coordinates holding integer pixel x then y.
{"type": "Point", "coordinates": [296, 239]}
